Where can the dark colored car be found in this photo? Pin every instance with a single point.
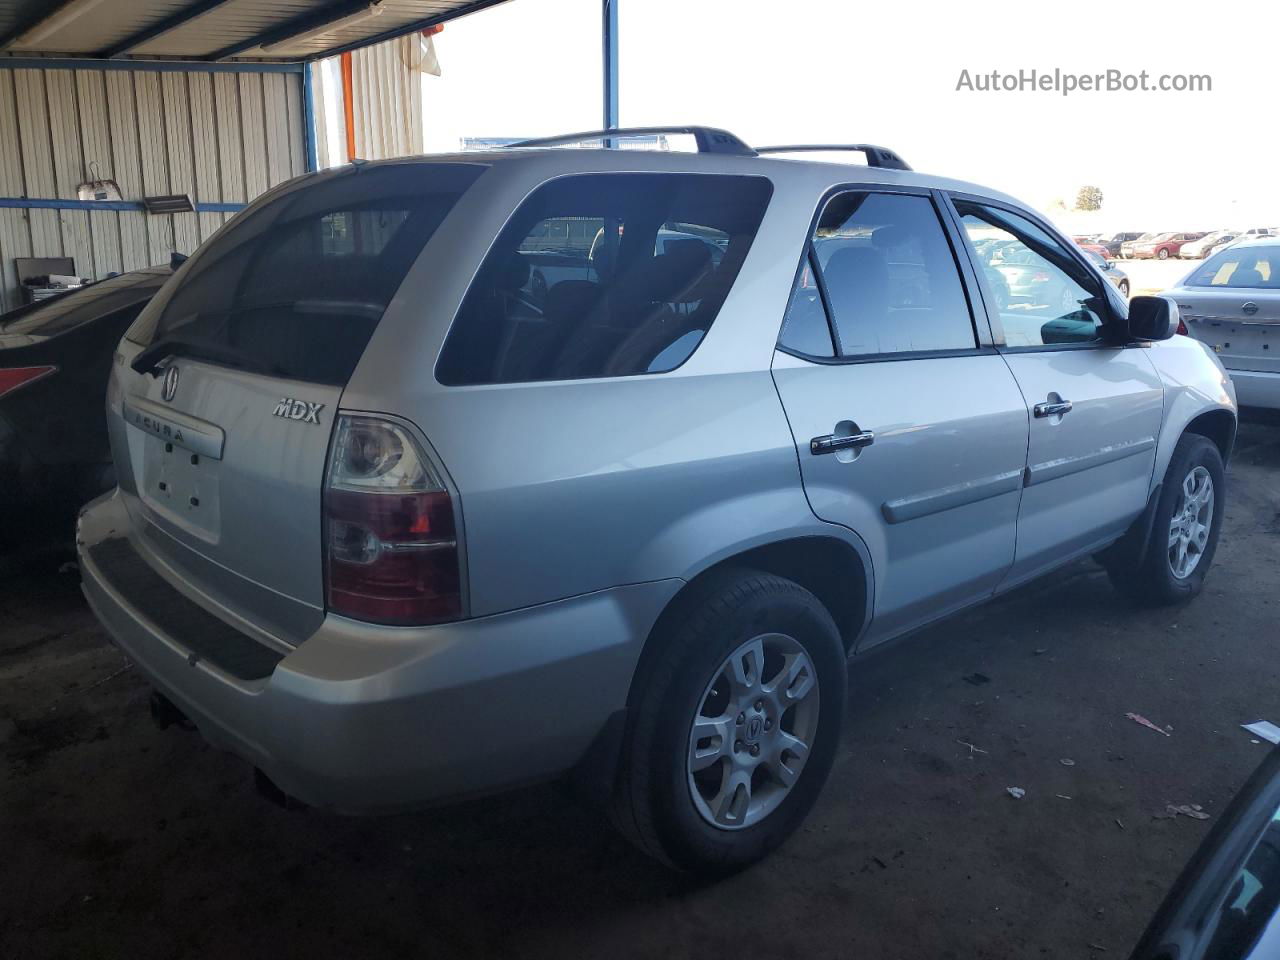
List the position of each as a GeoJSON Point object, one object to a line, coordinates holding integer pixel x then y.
{"type": "Point", "coordinates": [55, 358]}
{"type": "Point", "coordinates": [1226, 904]}
{"type": "Point", "coordinates": [1113, 241]}
{"type": "Point", "coordinates": [1111, 272]}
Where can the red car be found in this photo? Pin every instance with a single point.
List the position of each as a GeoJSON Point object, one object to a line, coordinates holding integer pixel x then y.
{"type": "Point", "coordinates": [1097, 248]}
{"type": "Point", "coordinates": [1163, 246]}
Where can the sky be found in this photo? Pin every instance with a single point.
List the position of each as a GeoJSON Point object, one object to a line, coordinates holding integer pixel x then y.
{"type": "Point", "coordinates": [887, 73]}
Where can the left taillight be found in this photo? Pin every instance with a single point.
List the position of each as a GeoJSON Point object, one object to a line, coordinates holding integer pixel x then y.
{"type": "Point", "coordinates": [391, 549]}
{"type": "Point", "coordinates": [14, 378]}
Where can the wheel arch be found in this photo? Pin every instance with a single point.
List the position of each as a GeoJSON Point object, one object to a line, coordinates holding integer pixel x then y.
{"type": "Point", "coordinates": [1219, 425]}
{"type": "Point", "coordinates": [836, 570]}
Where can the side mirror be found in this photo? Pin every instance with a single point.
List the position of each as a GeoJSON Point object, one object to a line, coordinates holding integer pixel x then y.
{"type": "Point", "coordinates": [1150, 318]}
{"type": "Point", "coordinates": [176, 260]}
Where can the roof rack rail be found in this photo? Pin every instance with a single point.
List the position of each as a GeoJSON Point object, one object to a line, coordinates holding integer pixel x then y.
{"type": "Point", "coordinates": [708, 139]}
{"type": "Point", "coordinates": [876, 156]}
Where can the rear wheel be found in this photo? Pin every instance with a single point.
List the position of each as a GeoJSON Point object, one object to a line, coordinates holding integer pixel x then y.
{"type": "Point", "coordinates": [1184, 530]}
{"type": "Point", "coordinates": [735, 722]}
{"type": "Point", "coordinates": [1124, 289]}
{"type": "Point", "coordinates": [1163, 253]}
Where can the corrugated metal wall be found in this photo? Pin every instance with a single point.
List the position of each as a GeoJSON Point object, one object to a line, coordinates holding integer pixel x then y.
{"type": "Point", "coordinates": [220, 137]}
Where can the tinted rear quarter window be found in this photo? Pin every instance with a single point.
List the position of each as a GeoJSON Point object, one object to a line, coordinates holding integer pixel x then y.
{"type": "Point", "coordinates": [604, 275]}
{"type": "Point", "coordinates": [297, 287]}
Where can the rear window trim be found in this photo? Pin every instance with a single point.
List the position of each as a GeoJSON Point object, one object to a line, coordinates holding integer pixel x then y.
{"type": "Point", "coordinates": [502, 228]}
{"type": "Point", "coordinates": [282, 192]}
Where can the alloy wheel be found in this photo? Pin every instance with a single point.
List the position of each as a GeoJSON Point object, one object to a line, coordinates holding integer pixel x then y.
{"type": "Point", "coordinates": [1189, 526]}
{"type": "Point", "coordinates": [752, 731]}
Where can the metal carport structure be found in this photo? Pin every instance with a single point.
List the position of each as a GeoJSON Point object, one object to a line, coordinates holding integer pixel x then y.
{"type": "Point", "coordinates": [210, 98]}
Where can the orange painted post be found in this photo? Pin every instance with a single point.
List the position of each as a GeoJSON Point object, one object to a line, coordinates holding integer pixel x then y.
{"type": "Point", "coordinates": [348, 107]}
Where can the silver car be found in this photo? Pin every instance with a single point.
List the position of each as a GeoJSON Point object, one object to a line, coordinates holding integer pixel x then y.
{"type": "Point", "coordinates": [397, 524]}
{"type": "Point", "coordinates": [1232, 303]}
{"type": "Point", "coordinates": [1206, 245]}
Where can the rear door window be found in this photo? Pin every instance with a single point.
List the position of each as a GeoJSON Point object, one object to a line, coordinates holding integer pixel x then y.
{"type": "Point", "coordinates": [604, 275]}
{"type": "Point", "coordinates": [296, 287]}
{"type": "Point", "coordinates": [890, 281]}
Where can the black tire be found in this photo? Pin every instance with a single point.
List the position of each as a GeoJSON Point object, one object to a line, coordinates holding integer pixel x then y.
{"type": "Point", "coordinates": [1124, 289]}
{"type": "Point", "coordinates": [653, 799]}
{"type": "Point", "coordinates": [1151, 579]}
{"type": "Point", "coordinates": [1163, 253]}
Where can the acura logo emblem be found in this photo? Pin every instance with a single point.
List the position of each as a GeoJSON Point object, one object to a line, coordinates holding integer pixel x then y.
{"type": "Point", "coordinates": [170, 385]}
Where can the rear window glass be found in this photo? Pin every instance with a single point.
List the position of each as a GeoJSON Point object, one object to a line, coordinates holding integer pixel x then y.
{"type": "Point", "coordinates": [48, 318]}
{"type": "Point", "coordinates": [1240, 267]}
{"type": "Point", "coordinates": [604, 275]}
{"type": "Point", "coordinates": [296, 287]}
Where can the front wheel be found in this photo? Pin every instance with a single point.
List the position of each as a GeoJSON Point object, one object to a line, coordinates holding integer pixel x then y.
{"type": "Point", "coordinates": [734, 726]}
{"type": "Point", "coordinates": [1124, 289]}
{"type": "Point", "coordinates": [1163, 253]}
{"type": "Point", "coordinates": [1184, 530]}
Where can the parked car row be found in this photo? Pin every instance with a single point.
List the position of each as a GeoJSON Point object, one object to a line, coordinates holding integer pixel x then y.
{"type": "Point", "coordinates": [1164, 246]}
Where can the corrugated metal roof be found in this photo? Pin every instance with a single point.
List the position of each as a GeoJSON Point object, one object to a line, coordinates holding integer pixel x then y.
{"type": "Point", "coordinates": [276, 30]}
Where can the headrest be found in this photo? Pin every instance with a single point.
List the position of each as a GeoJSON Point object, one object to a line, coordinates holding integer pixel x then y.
{"type": "Point", "coordinates": [864, 266]}
{"type": "Point", "coordinates": [570, 299]}
{"type": "Point", "coordinates": [892, 235]}
{"type": "Point", "coordinates": [1248, 275]}
{"type": "Point", "coordinates": [515, 273]}
{"type": "Point", "coordinates": [670, 277]}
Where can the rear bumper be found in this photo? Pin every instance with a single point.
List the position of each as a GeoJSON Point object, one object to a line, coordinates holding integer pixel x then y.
{"type": "Point", "coordinates": [1256, 389]}
{"type": "Point", "coordinates": [365, 719]}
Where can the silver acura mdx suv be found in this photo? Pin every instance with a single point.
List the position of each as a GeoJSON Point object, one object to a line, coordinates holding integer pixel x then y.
{"type": "Point", "coordinates": [446, 474]}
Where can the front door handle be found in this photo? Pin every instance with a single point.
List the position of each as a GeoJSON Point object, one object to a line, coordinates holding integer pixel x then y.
{"type": "Point", "coordinates": [1051, 409]}
{"type": "Point", "coordinates": [831, 443]}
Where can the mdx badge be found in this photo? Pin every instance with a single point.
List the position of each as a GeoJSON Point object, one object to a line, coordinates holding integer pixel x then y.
{"type": "Point", "coordinates": [169, 386]}
{"type": "Point", "coordinates": [303, 410]}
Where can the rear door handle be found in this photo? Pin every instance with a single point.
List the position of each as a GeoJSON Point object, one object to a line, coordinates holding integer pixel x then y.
{"type": "Point", "coordinates": [831, 443]}
{"type": "Point", "coordinates": [1048, 409]}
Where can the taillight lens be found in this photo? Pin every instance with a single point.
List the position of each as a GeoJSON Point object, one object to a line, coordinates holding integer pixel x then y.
{"type": "Point", "coordinates": [16, 377]}
{"type": "Point", "coordinates": [1182, 328]}
{"type": "Point", "coordinates": [391, 551]}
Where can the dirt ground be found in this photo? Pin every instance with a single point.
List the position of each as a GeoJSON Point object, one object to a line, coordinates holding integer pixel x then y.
{"type": "Point", "coordinates": [119, 840]}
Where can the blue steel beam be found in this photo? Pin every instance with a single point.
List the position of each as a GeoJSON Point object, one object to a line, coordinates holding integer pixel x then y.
{"type": "Point", "coordinates": [331, 13]}
{"type": "Point", "coordinates": [309, 132]}
{"type": "Point", "coordinates": [185, 15]}
{"type": "Point", "coordinates": [54, 203]}
{"type": "Point", "coordinates": [609, 36]}
{"type": "Point", "coordinates": [157, 66]}
{"type": "Point", "coordinates": [406, 28]}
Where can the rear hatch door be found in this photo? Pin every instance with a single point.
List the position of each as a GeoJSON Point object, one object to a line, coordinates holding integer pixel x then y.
{"type": "Point", "coordinates": [225, 393]}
